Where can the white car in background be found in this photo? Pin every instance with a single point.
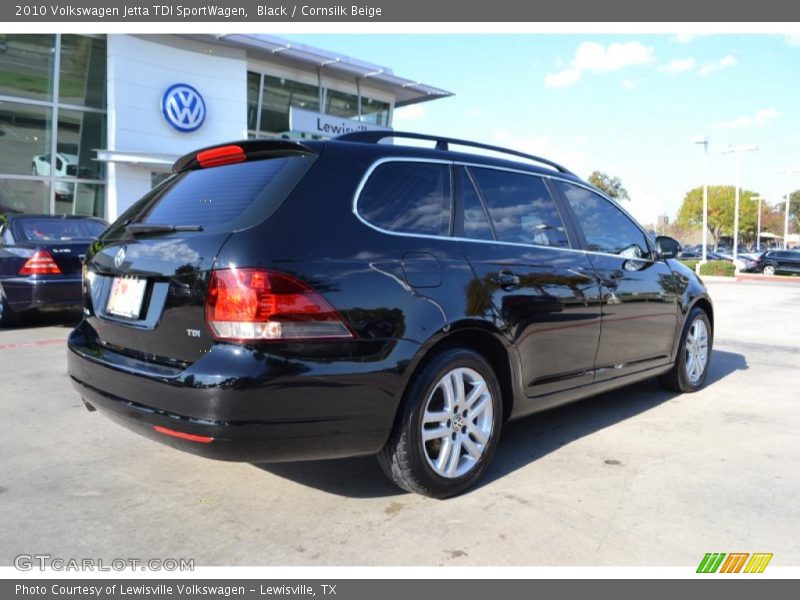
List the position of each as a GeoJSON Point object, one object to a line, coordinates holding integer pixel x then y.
{"type": "Point", "coordinates": [66, 166]}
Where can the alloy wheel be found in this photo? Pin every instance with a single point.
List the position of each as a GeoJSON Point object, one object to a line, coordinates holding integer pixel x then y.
{"type": "Point", "coordinates": [696, 350]}
{"type": "Point", "coordinates": [457, 422]}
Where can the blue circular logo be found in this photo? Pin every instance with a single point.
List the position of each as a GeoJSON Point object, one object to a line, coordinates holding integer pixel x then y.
{"type": "Point", "coordinates": [183, 107]}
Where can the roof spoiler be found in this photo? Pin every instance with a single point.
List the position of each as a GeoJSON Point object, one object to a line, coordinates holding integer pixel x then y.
{"type": "Point", "coordinates": [253, 150]}
{"type": "Point", "coordinates": [443, 144]}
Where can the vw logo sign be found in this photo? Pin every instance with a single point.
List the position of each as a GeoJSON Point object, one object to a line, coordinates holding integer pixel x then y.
{"type": "Point", "coordinates": [119, 257]}
{"type": "Point", "coordinates": [183, 107]}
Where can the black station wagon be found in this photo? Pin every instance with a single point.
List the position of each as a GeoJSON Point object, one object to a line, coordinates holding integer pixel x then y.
{"type": "Point", "coordinates": [279, 300]}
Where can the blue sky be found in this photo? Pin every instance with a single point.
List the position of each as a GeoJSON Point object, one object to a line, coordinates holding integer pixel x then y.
{"type": "Point", "coordinates": [624, 104]}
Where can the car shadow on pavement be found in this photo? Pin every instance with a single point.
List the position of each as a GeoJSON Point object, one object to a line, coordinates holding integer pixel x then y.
{"type": "Point", "coordinates": [523, 441]}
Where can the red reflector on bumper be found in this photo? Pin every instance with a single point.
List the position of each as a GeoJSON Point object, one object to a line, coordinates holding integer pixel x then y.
{"type": "Point", "coordinates": [203, 439]}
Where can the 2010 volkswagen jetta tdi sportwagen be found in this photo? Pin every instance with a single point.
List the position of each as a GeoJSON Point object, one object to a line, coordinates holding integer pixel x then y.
{"type": "Point", "coordinates": [284, 300]}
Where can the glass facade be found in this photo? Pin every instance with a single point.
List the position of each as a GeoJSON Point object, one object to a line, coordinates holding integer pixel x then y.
{"type": "Point", "coordinates": [52, 119]}
{"type": "Point", "coordinates": [270, 98]}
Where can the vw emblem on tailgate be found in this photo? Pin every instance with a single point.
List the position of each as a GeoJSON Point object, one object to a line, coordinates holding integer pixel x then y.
{"type": "Point", "coordinates": [183, 107]}
{"type": "Point", "coordinates": [119, 257]}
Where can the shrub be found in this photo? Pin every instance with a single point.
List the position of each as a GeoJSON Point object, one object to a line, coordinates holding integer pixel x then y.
{"type": "Point", "coordinates": [690, 262]}
{"type": "Point", "coordinates": [718, 267]}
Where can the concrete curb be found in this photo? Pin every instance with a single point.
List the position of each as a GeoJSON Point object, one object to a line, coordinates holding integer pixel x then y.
{"type": "Point", "coordinates": [760, 277]}
{"type": "Point", "coordinates": [718, 279]}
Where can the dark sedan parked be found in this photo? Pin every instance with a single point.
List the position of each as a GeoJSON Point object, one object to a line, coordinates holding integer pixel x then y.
{"type": "Point", "coordinates": [774, 262]}
{"type": "Point", "coordinates": [282, 300]}
{"type": "Point", "coordinates": [40, 261]}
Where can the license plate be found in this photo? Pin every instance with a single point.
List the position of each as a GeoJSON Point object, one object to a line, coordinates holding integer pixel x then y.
{"type": "Point", "coordinates": [127, 295]}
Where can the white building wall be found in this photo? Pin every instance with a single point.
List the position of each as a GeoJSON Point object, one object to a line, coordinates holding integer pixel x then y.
{"type": "Point", "coordinates": [139, 71]}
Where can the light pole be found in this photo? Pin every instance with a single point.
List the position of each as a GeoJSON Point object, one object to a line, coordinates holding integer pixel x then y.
{"type": "Point", "coordinates": [704, 140]}
{"type": "Point", "coordinates": [788, 202]}
{"type": "Point", "coordinates": [758, 235]}
{"type": "Point", "coordinates": [737, 150]}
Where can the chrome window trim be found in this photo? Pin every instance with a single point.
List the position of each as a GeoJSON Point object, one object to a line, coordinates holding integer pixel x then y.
{"type": "Point", "coordinates": [388, 159]}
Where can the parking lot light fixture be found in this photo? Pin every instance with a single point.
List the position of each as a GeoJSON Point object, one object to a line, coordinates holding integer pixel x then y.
{"type": "Point", "coordinates": [737, 151]}
{"type": "Point", "coordinates": [758, 234]}
{"type": "Point", "coordinates": [788, 173]}
{"type": "Point", "coordinates": [704, 141]}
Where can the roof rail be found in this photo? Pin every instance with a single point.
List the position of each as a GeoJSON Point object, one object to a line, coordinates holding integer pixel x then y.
{"type": "Point", "coordinates": [442, 143]}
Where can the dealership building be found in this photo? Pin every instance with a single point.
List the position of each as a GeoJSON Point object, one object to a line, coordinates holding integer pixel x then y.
{"type": "Point", "coordinates": [88, 124]}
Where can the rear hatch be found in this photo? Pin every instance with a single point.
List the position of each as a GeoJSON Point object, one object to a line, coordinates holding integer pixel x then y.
{"type": "Point", "coordinates": [147, 276]}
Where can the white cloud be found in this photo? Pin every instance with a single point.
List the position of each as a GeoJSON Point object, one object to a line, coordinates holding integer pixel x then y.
{"type": "Point", "coordinates": [679, 65]}
{"type": "Point", "coordinates": [792, 40]}
{"type": "Point", "coordinates": [723, 63]}
{"type": "Point", "coordinates": [761, 118]}
{"type": "Point", "coordinates": [562, 78]}
{"type": "Point", "coordinates": [593, 57]}
{"type": "Point", "coordinates": [628, 84]}
{"type": "Point", "coordinates": [410, 113]}
{"type": "Point", "coordinates": [684, 38]}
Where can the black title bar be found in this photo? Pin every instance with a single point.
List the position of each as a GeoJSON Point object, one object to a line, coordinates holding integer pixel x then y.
{"type": "Point", "coordinates": [440, 11]}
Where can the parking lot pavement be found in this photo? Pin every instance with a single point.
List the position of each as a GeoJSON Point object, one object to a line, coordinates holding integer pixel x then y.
{"type": "Point", "coordinates": [634, 477]}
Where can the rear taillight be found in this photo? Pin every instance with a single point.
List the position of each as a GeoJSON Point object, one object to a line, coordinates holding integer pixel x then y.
{"type": "Point", "coordinates": [41, 263]}
{"type": "Point", "coordinates": [260, 304]}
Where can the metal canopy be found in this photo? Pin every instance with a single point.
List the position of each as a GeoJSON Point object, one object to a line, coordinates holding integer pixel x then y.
{"type": "Point", "coordinates": [406, 91]}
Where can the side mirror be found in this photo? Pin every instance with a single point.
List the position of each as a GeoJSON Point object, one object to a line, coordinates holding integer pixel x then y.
{"type": "Point", "coordinates": [667, 247]}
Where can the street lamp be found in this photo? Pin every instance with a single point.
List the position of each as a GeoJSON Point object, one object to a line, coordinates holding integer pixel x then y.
{"type": "Point", "coordinates": [788, 202]}
{"type": "Point", "coordinates": [737, 150]}
{"type": "Point", "coordinates": [704, 140]}
{"type": "Point", "coordinates": [758, 235]}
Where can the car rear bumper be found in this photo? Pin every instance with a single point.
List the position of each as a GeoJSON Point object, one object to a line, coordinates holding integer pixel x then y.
{"type": "Point", "coordinates": [26, 293]}
{"type": "Point", "coordinates": [287, 412]}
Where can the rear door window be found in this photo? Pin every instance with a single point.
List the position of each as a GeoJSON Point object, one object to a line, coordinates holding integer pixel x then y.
{"type": "Point", "coordinates": [408, 197]}
{"type": "Point", "coordinates": [520, 207]}
{"type": "Point", "coordinates": [224, 198]}
{"type": "Point", "coordinates": [476, 221]}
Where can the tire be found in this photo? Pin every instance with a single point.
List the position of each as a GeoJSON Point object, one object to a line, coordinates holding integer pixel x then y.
{"type": "Point", "coordinates": [441, 466]}
{"type": "Point", "coordinates": [768, 270]}
{"type": "Point", "coordinates": [690, 370]}
{"type": "Point", "coordinates": [7, 315]}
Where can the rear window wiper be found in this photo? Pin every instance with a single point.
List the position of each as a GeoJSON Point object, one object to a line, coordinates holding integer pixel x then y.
{"type": "Point", "coordinates": [138, 228]}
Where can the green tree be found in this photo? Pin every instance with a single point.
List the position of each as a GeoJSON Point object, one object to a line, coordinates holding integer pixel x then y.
{"type": "Point", "coordinates": [721, 202]}
{"type": "Point", "coordinates": [611, 186]}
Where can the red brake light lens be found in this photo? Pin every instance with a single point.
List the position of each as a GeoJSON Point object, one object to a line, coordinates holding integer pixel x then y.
{"type": "Point", "coordinates": [222, 155]}
{"type": "Point", "coordinates": [41, 263]}
{"type": "Point", "coordinates": [260, 304]}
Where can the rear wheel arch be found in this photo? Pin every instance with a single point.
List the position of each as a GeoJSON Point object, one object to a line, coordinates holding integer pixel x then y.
{"type": "Point", "coordinates": [485, 343]}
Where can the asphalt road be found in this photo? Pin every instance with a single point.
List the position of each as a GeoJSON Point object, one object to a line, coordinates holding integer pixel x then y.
{"type": "Point", "coordinates": [634, 477]}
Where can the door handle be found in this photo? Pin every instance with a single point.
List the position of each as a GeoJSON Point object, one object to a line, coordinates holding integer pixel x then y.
{"type": "Point", "coordinates": [506, 279]}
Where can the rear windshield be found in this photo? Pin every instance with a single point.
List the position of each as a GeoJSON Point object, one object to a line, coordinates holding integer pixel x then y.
{"type": "Point", "coordinates": [43, 229]}
{"type": "Point", "coordinates": [221, 198]}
